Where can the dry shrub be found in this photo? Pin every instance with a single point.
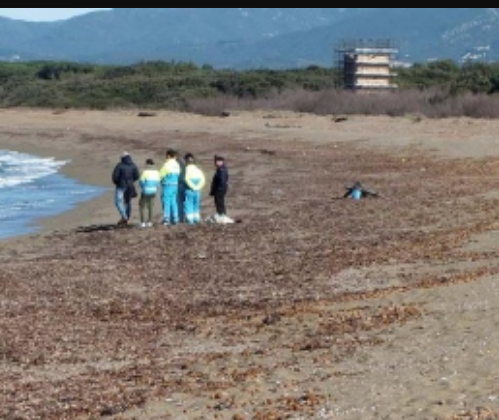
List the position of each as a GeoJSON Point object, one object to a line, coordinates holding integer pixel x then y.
{"type": "Point", "coordinates": [431, 103]}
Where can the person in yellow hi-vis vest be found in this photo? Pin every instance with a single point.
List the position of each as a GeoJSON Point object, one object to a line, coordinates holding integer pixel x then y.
{"type": "Point", "coordinates": [169, 175]}
{"type": "Point", "coordinates": [195, 181]}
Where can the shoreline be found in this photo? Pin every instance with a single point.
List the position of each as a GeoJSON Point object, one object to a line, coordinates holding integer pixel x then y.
{"type": "Point", "coordinates": [98, 209]}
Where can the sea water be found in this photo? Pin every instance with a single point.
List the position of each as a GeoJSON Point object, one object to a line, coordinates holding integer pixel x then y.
{"type": "Point", "coordinates": [32, 188]}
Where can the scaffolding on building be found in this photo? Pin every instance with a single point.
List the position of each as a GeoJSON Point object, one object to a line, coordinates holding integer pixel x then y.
{"type": "Point", "coordinates": [366, 64]}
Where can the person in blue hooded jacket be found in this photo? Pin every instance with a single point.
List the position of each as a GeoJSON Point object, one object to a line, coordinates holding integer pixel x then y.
{"type": "Point", "coordinates": [149, 184]}
{"type": "Point", "coordinates": [124, 176]}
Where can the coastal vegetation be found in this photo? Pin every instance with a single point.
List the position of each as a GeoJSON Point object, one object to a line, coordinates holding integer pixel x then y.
{"type": "Point", "coordinates": [437, 89]}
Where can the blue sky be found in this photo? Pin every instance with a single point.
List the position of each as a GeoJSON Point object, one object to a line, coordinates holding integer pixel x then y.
{"type": "Point", "coordinates": [45, 14]}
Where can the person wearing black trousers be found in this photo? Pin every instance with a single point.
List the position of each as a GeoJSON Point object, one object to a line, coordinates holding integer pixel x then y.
{"type": "Point", "coordinates": [220, 185]}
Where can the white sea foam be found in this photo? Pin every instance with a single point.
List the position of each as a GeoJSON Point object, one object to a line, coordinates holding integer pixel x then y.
{"type": "Point", "coordinates": [19, 168]}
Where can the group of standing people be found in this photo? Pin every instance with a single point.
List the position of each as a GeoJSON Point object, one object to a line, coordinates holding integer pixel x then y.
{"type": "Point", "coordinates": [180, 183]}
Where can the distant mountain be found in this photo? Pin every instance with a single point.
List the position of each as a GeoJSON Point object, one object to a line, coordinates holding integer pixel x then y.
{"type": "Point", "coordinates": [249, 38]}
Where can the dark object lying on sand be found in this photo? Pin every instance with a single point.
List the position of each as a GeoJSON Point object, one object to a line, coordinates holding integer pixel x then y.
{"type": "Point", "coordinates": [357, 191]}
{"type": "Point", "coordinates": [146, 114]}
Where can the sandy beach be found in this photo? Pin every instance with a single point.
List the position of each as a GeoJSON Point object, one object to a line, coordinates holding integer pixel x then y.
{"type": "Point", "coordinates": [313, 307]}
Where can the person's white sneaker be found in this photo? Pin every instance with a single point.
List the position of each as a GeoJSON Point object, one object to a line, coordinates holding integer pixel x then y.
{"type": "Point", "coordinates": [226, 219]}
{"type": "Point", "coordinates": [143, 225]}
{"type": "Point", "coordinates": [149, 224]}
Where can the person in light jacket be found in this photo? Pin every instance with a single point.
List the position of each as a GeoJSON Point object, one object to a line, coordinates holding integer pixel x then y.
{"type": "Point", "coordinates": [194, 182]}
{"type": "Point", "coordinates": [149, 184]}
{"type": "Point", "coordinates": [169, 175]}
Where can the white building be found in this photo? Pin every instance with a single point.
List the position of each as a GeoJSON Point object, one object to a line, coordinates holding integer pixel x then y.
{"type": "Point", "coordinates": [367, 65]}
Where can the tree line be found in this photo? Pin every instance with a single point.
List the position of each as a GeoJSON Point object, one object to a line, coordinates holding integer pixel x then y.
{"type": "Point", "coordinates": [435, 89]}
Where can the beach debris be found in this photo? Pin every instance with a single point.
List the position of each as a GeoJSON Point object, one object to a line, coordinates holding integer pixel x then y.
{"type": "Point", "coordinates": [146, 114]}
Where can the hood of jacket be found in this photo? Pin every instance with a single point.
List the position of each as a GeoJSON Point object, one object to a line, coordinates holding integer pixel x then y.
{"type": "Point", "coordinates": [127, 160]}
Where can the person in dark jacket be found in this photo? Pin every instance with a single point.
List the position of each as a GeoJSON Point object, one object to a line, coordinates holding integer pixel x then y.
{"type": "Point", "coordinates": [181, 190]}
{"type": "Point", "coordinates": [220, 185]}
{"type": "Point", "coordinates": [124, 176]}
